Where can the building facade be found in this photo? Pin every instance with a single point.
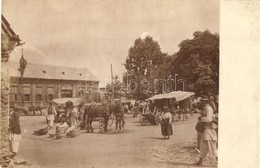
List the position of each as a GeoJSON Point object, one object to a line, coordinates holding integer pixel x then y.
{"type": "Point", "coordinates": [42, 83]}
{"type": "Point", "coordinates": [9, 40]}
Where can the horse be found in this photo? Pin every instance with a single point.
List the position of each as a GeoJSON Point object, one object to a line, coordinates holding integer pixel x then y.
{"type": "Point", "coordinates": [118, 111]}
{"type": "Point", "coordinates": [103, 111]}
{"type": "Point", "coordinates": [95, 111]}
{"type": "Point", "coordinates": [33, 109]}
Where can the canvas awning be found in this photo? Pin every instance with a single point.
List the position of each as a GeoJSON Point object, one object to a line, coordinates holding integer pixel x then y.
{"type": "Point", "coordinates": [178, 95]}
{"type": "Point", "coordinates": [75, 101]}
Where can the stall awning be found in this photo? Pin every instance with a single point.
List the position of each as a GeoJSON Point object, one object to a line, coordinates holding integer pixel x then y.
{"type": "Point", "coordinates": [178, 95]}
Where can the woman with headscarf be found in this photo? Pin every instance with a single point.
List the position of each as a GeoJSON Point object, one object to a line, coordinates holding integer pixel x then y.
{"type": "Point", "coordinates": [166, 126]}
{"type": "Point", "coordinates": [73, 115]}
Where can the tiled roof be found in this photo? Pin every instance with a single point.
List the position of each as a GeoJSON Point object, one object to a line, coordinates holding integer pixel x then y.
{"type": "Point", "coordinates": [6, 29]}
{"type": "Point", "coordinates": [51, 72]}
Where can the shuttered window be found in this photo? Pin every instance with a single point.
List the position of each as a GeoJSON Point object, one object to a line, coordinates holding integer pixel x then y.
{"type": "Point", "coordinates": [39, 94]}
{"type": "Point", "coordinates": [27, 90]}
{"type": "Point", "coordinates": [13, 94]}
{"type": "Point", "coordinates": [27, 93]}
{"type": "Point", "coordinates": [50, 91]}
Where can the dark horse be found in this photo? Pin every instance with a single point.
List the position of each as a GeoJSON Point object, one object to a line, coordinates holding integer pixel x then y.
{"type": "Point", "coordinates": [95, 111]}
{"type": "Point", "coordinates": [118, 111]}
{"type": "Point", "coordinates": [103, 112]}
{"type": "Point", "coordinates": [32, 110]}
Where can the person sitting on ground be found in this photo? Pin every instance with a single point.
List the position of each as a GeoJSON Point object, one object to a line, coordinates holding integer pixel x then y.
{"type": "Point", "coordinates": [61, 128]}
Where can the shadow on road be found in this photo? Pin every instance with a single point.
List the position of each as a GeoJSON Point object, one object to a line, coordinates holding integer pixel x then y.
{"type": "Point", "coordinates": [190, 165]}
{"type": "Point", "coordinates": [112, 132]}
{"type": "Point", "coordinates": [157, 138]}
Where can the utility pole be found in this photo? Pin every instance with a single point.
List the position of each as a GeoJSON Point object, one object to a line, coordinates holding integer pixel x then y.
{"type": "Point", "coordinates": [22, 90]}
{"type": "Point", "coordinates": [112, 83]}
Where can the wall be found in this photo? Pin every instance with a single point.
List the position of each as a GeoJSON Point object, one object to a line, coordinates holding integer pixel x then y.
{"type": "Point", "coordinates": [57, 86]}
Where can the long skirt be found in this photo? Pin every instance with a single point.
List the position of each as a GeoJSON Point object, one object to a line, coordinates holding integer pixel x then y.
{"type": "Point", "coordinates": [166, 129]}
{"type": "Point", "coordinates": [73, 121]}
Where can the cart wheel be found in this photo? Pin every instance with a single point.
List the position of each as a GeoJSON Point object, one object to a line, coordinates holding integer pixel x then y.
{"type": "Point", "coordinates": [101, 123]}
{"type": "Point", "coordinates": [143, 121]}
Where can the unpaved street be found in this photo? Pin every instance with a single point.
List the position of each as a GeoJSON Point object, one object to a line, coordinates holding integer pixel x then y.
{"type": "Point", "coordinates": [136, 146]}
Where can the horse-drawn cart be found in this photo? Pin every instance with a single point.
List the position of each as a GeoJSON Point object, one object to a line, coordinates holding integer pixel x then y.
{"type": "Point", "coordinates": [149, 118]}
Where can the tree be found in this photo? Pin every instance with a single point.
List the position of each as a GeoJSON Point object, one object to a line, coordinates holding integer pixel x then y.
{"type": "Point", "coordinates": [117, 88]}
{"type": "Point", "coordinates": [197, 62]}
{"type": "Point", "coordinates": [142, 63]}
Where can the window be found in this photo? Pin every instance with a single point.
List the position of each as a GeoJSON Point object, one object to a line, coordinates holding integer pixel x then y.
{"type": "Point", "coordinates": [38, 94]}
{"type": "Point", "coordinates": [50, 93]}
{"type": "Point", "coordinates": [27, 93]}
{"type": "Point", "coordinates": [26, 97]}
{"type": "Point", "coordinates": [50, 96]}
{"type": "Point", "coordinates": [38, 97]}
{"type": "Point", "coordinates": [13, 94]}
{"type": "Point", "coordinates": [66, 93]}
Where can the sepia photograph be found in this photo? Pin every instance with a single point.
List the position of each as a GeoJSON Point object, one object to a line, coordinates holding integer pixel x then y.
{"type": "Point", "coordinates": [110, 83]}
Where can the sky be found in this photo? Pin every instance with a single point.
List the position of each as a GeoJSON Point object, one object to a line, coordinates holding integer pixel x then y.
{"type": "Point", "coordinates": [96, 33]}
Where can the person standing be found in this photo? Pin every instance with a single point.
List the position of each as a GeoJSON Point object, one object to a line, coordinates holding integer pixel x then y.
{"type": "Point", "coordinates": [209, 137]}
{"type": "Point", "coordinates": [51, 115]}
{"type": "Point", "coordinates": [199, 128]}
{"type": "Point", "coordinates": [119, 114]}
{"type": "Point", "coordinates": [212, 104]}
{"type": "Point", "coordinates": [166, 126]}
{"type": "Point", "coordinates": [15, 131]}
{"type": "Point", "coordinates": [73, 115]}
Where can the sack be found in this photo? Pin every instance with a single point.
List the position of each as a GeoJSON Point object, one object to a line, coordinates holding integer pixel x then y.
{"type": "Point", "coordinates": [43, 131]}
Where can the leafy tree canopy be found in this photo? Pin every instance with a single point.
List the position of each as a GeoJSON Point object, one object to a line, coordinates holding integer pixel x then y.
{"type": "Point", "coordinates": [197, 62]}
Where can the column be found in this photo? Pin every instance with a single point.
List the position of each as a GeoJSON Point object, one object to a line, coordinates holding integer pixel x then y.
{"type": "Point", "coordinates": [4, 114]}
{"type": "Point", "coordinates": [34, 94]}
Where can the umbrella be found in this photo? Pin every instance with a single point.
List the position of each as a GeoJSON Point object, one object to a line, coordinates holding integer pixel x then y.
{"type": "Point", "coordinates": [178, 95]}
{"type": "Point", "coordinates": [75, 101]}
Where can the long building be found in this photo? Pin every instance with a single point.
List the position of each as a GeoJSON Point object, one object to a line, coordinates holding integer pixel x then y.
{"type": "Point", "coordinates": [42, 83]}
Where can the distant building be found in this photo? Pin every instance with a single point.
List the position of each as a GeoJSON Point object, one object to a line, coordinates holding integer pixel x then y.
{"type": "Point", "coordinates": [42, 83]}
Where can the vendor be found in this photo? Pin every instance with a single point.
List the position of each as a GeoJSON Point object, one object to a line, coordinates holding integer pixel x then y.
{"type": "Point", "coordinates": [166, 126]}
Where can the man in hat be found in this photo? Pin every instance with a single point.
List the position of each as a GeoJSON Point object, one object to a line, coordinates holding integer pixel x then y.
{"type": "Point", "coordinates": [209, 137]}
{"type": "Point", "coordinates": [15, 131]}
{"type": "Point", "coordinates": [51, 115]}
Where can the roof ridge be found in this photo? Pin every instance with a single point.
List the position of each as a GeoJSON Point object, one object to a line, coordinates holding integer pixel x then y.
{"type": "Point", "coordinates": [46, 71]}
{"type": "Point", "coordinates": [32, 63]}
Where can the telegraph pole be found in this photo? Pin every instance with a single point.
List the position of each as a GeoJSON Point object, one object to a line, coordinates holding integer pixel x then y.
{"type": "Point", "coordinates": [112, 83]}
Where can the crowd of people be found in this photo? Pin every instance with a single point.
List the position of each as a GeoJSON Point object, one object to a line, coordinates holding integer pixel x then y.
{"type": "Point", "coordinates": [206, 127]}
{"type": "Point", "coordinates": [68, 120]}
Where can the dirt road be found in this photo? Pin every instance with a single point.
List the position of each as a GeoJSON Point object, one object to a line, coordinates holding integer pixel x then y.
{"type": "Point", "coordinates": [136, 146]}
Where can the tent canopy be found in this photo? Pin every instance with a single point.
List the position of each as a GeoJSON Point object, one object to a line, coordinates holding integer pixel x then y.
{"type": "Point", "coordinates": [178, 95]}
{"type": "Point", "coordinates": [75, 101]}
